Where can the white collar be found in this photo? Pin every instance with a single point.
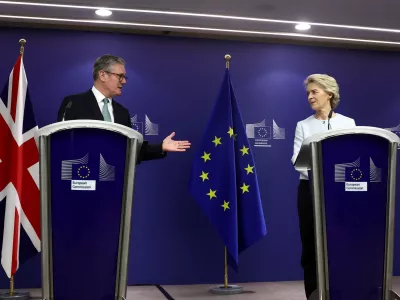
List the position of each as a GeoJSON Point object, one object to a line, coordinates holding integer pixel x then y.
{"type": "Point", "coordinates": [99, 96]}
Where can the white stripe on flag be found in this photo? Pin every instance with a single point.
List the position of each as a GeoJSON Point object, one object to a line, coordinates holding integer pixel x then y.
{"type": "Point", "coordinates": [34, 171]}
{"type": "Point", "coordinates": [16, 135]}
{"type": "Point", "coordinates": [8, 235]}
{"type": "Point", "coordinates": [19, 116]}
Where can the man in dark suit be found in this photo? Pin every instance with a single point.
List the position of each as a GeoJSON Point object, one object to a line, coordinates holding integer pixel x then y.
{"type": "Point", "coordinates": [109, 76]}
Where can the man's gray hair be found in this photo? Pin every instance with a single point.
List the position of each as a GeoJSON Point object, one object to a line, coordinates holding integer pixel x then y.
{"type": "Point", "coordinates": [328, 84]}
{"type": "Point", "coordinates": [105, 63]}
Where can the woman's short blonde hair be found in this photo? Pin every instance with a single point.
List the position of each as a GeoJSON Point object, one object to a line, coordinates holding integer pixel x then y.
{"type": "Point", "coordinates": [328, 84]}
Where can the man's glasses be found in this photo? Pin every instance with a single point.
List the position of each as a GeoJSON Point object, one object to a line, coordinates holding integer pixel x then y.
{"type": "Point", "coordinates": [120, 76]}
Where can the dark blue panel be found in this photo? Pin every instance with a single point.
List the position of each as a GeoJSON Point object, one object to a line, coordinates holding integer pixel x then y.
{"type": "Point", "coordinates": [86, 223]}
{"type": "Point", "coordinates": [356, 219]}
{"type": "Point", "coordinates": [177, 90]}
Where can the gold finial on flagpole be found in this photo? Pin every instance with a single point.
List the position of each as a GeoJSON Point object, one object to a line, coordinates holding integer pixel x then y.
{"type": "Point", "coordinates": [22, 42]}
{"type": "Point", "coordinates": [227, 60]}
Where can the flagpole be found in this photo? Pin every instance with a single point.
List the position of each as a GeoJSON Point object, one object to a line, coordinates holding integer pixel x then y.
{"type": "Point", "coordinates": [226, 269]}
{"type": "Point", "coordinates": [22, 42]}
{"type": "Point", "coordinates": [12, 285]}
{"type": "Point", "coordinates": [13, 294]}
{"type": "Point", "coordinates": [227, 289]}
{"type": "Point", "coordinates": [227, 62]}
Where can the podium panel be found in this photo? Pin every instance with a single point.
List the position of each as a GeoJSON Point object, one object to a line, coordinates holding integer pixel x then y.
{"type": "Point", "coordinates": [353, 175]}
{"type": "Point", "coordinates": [87, 175]}
{"type": "Point", "coordinates": [355, 172]}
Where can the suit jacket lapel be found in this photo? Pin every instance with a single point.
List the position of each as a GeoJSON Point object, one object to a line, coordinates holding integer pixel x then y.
{"type": "Point", "coordinates": [94, 107]}
{"type": "Point", "coordinates": [117, 113]}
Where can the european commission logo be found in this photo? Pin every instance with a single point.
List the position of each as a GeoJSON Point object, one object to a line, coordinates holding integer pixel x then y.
{"type": "Point", "coordinates": [395, 130]}
{"type": "Point", "coordinates": [83, 175]}
{"type": "Point", "coordinates": [263, 133]}
{"type": "Point", "coordinates": [145, 128]}
{"type": "Point", "coordinates": [356, 176]}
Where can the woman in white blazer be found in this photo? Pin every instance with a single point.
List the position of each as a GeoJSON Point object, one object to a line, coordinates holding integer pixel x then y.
{"type": "Point", "coordinates": [323, 97]}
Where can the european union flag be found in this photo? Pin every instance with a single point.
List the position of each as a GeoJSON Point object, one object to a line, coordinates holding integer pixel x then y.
{"type": "Point", "coordinates": [224, 180]}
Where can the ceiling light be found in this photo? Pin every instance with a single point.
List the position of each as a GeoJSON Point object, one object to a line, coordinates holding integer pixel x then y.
{"type": "Point", "coordinates": [303, 26]}
{"type": "Point", "coordinates": [103, 12]}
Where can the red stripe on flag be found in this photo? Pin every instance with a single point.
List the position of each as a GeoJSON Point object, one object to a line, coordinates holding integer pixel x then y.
{"type": "Point", "coordinates": [14, 168]}
{"type": "Point", "coordinates": [15, 85]}
{"type": "Point", "coordinates": [14, 262]}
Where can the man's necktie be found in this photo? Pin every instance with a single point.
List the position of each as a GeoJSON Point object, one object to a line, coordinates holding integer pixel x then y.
{"type": "Point", "coordinates": [105, 111]}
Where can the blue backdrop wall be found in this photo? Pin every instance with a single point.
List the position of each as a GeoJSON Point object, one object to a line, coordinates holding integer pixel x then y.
{"type": "Point", "coordinates": [174, 81]}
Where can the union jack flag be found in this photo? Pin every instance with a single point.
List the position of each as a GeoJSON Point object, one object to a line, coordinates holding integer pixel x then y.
{"type": "Point", "coordinates": [19, 173]}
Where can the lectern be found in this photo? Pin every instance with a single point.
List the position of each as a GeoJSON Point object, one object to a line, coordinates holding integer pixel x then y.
{"type": "Point", "coordinates": [352, 175]}
{"type": "Point", "coordinates": [87, 172]}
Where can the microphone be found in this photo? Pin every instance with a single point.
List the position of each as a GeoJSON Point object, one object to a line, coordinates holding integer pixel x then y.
{"type": "Point", "coordinates": [329, 119]}
{"type": "Point", "coordinates": [66, 108]}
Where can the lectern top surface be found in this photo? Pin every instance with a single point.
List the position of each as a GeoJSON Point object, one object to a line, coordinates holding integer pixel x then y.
{"type": "Point", "coordinates": [386, 134]}
{"type": "Point", "coordinates": [66, 125]}
{"type": "Point", "coordinates": [303, 160]}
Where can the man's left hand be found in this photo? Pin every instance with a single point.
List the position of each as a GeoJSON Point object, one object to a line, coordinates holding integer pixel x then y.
{"type": "Point", "coordinates": [169, 145]}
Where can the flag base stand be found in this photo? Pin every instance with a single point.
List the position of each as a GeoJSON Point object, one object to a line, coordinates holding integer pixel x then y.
{"type": "Point", "coordinates": [226, 289]}
{"type": "Point", "coordinates": [222, 290]}
{"type": "Point", "coordinates": [15, 296]}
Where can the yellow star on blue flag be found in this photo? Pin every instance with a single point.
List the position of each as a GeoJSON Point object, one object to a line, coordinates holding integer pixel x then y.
{"type": "Point", "coordinates": [236, 213]}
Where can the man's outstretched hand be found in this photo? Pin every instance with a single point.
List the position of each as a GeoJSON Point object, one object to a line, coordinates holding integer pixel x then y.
{"type": "Point", "coordinates": [169, 145]}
